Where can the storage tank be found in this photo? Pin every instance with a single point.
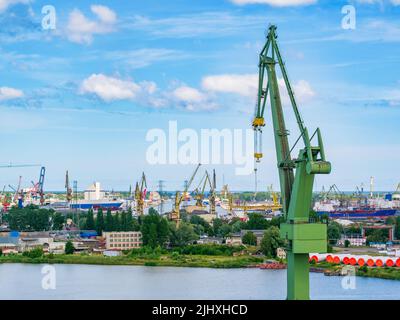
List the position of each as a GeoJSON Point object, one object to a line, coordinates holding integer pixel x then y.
{"type": "Point", "coordinates": [388, 261]}
{"type": "Point", "coordinates": [379, 261]}
{"type": "Point", "coordinates": [338, 258]}
{"type": "Point", "coordinates": [362, 260]}
{"type": "Point", "coordinates": [346, 260]}
{"type": "Point", "coordinates": [352, 260]}
{"type": "Point", "coordinates": [317, 257]}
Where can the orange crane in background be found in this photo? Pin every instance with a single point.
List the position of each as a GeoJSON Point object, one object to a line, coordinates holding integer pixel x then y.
{"type": "Point", "coordinates": [175, 213]}
{"type": "Point", "coordinates": [140, 195]}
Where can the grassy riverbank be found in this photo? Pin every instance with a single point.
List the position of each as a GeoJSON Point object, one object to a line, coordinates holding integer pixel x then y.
{"type": "Point", "coordinates": [162, 260]}
{"type": "Point", "coordinates": [389, 273]}
{"type": "Point", "coordinates": [182, 260]}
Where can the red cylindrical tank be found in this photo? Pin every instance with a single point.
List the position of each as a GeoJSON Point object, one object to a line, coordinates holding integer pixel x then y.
{"type": "Point", "coordinates": [378, 262]}
{"type": "Point", "coordinates": [361, 261]}
{"type": "Point", "coordinates": [370, 262]}
{"type": "Point", "coordinates": [352, 261]}
{"type": "Point", "coordinates": [313, 258]}
{"type": "Point", "coordinates": [336, 259]}
{"type": "Point", "coordinates": [389, 262]}
{"type": "Point", "coordinates": [317, 257]}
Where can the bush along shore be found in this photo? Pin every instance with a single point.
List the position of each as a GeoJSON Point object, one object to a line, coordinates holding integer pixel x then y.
{"type": "Point", "coordinates": [371, 272]}
{"type": "Point", "coordinates": [207, 256]}
{"type": "Point", "coordinates": [189, 256]}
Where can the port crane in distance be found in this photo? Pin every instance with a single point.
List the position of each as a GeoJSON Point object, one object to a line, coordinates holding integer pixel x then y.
{"type": "Point", "coordinates": [140, 194]}
{"type": "Point", "coordinates": [68, 188]}
{"type": "Point", "coordinates": [200, 189]}
{"type": "Point", "coordinates": [175, 213]}
{"type": "Point", "coordinates": [296, 175]}
{"type": "Point", "coordinates": [213, 196]}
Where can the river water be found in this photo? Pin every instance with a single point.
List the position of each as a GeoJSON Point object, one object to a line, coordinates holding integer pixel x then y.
{"type": "Point", "coordinates": [25, 281]}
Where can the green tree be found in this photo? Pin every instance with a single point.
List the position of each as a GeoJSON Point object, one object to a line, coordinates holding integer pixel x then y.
{"type": "Point", "coordinates": [34, 253]}
{"type": "Point", "coordinates": [314, 217]}
{"type": "Point", "coordinates": [333, 232]}
{"type": "Point", "coordinates": [69, 248]}
{"type": "Point", "coordinates": [183, 235]}
{"type": "Point", "coordinates": [224, 230]}
{"type": "Point", "coordinates": [30, 218]}
{"type": "Point", "coordinates": [256, 222]}
{"type": "Point", "coordinates": [131, 222]}
{"type": "Point", "coordinates": [90, 225]}
{"type": "Point", "coordinates": [99, 222]}
{"type": "Point", "coordinates": [154, 228]}
{"type": "Point", "coordinates": [271, 241]}
{"type": "Point", "coordinates": [124, 221]}
{"type": "Point", "coordinates": [117, 222]}
{"type": "Point", "coordinates": [200, 222]}
{"type": "Point", "coordinates": [249, 238]}
{"type": "Point", "coordinates": [217, 223]}
{"type": "Point", "coordinates": [58, 221]}
{"type": "Point", "coordinates": [377, 236]}
{"type": "Point", "coordinates": [109, 223]}
{"type": "Point", "coordinates": [237, 225]}
{"type": "Point", "coordinates": [397, 228]}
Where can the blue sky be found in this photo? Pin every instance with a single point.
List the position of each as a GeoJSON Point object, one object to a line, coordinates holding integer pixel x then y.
{"type": "Point", "coordinates": [83, 96]}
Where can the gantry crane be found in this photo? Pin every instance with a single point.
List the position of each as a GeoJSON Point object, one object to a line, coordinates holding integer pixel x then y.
{"type": "Point", "coordinates": [175, 213]}
{"type": "Point", "coordinates": [17, 191]}
{"type": "Point", "coordinates": [199, 191]}
{"type": "Point", "coordinates": [140, 195]}
{"type": "Point", "coordinates": [213, 196]}
{"type": "Point", "coordinates": [296, 175]}
{"type": "Point", "coordinates": [41, 183]}
{"type": "Point", "coordinates": [68, 188]}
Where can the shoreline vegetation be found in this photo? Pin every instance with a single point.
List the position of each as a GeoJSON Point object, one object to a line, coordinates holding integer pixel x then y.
{"type": "Point", "coordinates": [176, 259]}
{"type": "Point", "coordinates": [170, 260]}
{"type": "Point", "coordinates": [369, 272]}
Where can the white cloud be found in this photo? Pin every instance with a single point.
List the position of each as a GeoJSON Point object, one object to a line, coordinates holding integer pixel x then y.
{"type": "Point", "coordinates": [110, 88]}
{"type": "Point", "coordinates": [7, 93]}
{"type": "Point", "coordinates": [4, 4]}
{"type": "Point", "coordinates": [104, 13]}
{"type": "Point", "coordinates": [276, 3]}
{"type": "Point", "coordinates": [244, 84]}
{"type": "Point", "coordinates": [302, 90]}
{"type": "Point", "coordinates": [80, 29]}
{"type": "Point", "coordinates": [192, 99]}
{"type": "Point", "coordinates": [247, 85]}
{"type": "Point", "coordinates": [395, 2]}
{"type": "Point", "coordinates": [188, 94]}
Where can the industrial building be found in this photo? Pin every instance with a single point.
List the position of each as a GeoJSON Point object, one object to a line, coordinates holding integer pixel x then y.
{"type": "Point", "coordinates": [123, 240]}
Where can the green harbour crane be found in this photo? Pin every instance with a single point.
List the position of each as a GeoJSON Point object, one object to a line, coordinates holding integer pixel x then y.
{"type": "Point", "coordinates": [296, 175]}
